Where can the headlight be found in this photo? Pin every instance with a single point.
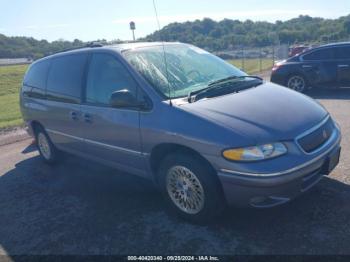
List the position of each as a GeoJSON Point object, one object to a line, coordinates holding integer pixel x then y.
{"type": "Point", "coordinates": [255, 153]}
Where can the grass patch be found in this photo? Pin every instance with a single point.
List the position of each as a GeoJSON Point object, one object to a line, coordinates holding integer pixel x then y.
{"type": "Point", "coordinates": [9, 111]}
{"type": "Point", "coordinates": [11, 78]}
{"type": "Point", "coordinates": [252, 66]}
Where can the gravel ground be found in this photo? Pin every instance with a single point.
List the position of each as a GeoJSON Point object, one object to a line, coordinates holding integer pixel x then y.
{"type": "Point", "coordinates": [82, 208]}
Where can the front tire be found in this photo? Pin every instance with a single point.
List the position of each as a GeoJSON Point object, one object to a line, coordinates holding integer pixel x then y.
{"type": "Point", "coordinates": [47, 150]}
{"type": "Point", "coordinates": [191, 188]}
{"type": "Point", "coordinates": [297, 83]}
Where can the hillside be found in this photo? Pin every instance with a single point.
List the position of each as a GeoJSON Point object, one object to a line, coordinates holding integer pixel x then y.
{"type": "Point", "coordinates": [227, 33]}
{"type": "Point", "coordinates": [206, 33]}
{"type": "Point", "coordinates": [28, 47]}
{"type": "Point", "coordinates": [12, 47]}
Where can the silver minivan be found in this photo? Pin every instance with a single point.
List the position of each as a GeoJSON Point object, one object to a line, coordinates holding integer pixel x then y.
{"type": "Point", "coordinates": [206, 133]}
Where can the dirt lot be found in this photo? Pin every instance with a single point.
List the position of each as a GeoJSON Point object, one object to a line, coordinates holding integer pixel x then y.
{"type": "Point", "coordinates": [84, 208]}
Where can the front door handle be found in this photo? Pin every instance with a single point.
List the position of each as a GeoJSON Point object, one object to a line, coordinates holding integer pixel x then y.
{"type": "Point", "coordinates": [87, 118]}
{"type": "Point", "coordinates": [74, 115]}
{"type": "Point", "coordinates": [343, 66]}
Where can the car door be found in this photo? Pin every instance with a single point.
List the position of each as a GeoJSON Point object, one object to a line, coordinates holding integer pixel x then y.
{"type": "Point", "coordinates": [62, 119]}
{"type": "Point", "coordinates": [343, 65]}
{"type": "Point", "coordinates": [111, 134]}
{"type": "Point", "coordinates": [320, 67]}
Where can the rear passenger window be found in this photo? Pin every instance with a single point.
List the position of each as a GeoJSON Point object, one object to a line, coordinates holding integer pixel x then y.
{"type": "Point", "coordinates": [107, 75]}
{"type": "Point", "coordinates": [65, 78]}
{"type": "Point", "coordinates": [342, 52]}
{"type": "Point", "coordinates": [324, 54]}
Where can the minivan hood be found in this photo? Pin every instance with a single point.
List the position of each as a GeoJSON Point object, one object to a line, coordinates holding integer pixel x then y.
{"type": "Point", "coordinates": [266, 113]}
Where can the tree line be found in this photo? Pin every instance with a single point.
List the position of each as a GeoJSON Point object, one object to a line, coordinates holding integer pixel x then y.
{"type": "Point", "coordinates": [228, 33]}
{"type": "Point", "coordinates": [206, 33]}
{"type": "Point", "coordinates": [28, 47]}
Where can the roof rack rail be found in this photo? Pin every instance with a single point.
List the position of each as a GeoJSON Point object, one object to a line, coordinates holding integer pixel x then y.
{"type": "Point", "coordinates": [88, 45]}
{"type": "Point", "coordinates": [94, 44]}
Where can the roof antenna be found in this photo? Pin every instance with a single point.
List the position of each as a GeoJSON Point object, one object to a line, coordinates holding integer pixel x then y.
{"type": "Point", "coordinates": [164, 54]}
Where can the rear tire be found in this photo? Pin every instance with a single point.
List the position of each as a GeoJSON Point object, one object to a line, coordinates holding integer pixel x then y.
{"type": "Point", "coordinates": [297, 83]}
{"type": "Point", "coordinates": [47, 150]}
{"type": "Point", "coordinates": [191, 188]}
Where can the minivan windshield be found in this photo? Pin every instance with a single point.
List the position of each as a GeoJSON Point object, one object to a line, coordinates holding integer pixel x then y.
{"type": "Point", "coordinates": [187, 69]}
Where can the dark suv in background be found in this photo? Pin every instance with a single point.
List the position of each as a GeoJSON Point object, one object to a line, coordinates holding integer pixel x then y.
{"type": "Point", "coordinates": [325, 66]}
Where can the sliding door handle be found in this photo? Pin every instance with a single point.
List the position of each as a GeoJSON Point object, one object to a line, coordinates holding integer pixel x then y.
{"type": "Point", "coordinates": [87, 118]}
{"type": "Point", "coordinates": [74, 115]}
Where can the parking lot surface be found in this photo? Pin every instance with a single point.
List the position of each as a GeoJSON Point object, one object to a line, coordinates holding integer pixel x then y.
{"type": "Point", "coordinates": [79, 207]}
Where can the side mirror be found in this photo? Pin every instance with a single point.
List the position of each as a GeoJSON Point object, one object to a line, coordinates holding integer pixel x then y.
{"type": "Point", "coordinates": [125, 99]}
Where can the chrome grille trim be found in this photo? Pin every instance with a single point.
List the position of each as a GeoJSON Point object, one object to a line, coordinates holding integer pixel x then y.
{"type": "Point", "coordinates": [313, 129]}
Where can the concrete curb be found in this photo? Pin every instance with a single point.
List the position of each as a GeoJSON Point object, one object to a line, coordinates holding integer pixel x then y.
{"type": "Point", "coordinates": [13, 137]}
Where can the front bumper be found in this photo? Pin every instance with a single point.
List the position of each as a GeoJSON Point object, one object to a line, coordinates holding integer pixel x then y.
{"type": "Point", "coordinates": [268, 191]}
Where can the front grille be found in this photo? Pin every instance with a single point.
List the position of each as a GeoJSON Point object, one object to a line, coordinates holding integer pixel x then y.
{"type": "Point", "coordinates": [317, 138]}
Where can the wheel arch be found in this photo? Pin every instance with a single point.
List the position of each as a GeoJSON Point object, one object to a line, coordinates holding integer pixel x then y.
{"type": "Point", "coordinates": [159, 152]}
{"type": "Point", "coordinates": [34, 125]}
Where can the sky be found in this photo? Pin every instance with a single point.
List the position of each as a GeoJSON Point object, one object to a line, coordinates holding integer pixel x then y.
{"type": "Point", "coordinates": [109, 19]}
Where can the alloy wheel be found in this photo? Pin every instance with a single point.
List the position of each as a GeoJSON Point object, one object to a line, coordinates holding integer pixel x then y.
{"type": "Point", "coordinates": [44, 146]}
{"type": "Point", "coordinates": [185, 190]}
{"type": "Point", "coordinates": [297, 83]}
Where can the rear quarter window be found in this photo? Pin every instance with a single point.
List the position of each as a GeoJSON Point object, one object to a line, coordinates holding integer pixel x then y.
{"type": "Point", "coordinates": [65, 78]}
{"type": "Point", "coordinates": [34, 82]}
{"type": "Point", "coordinates": [36, 75]}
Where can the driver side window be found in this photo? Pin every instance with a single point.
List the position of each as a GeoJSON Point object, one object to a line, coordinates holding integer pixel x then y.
{"type": "Point", "coordinates": [107, 75]}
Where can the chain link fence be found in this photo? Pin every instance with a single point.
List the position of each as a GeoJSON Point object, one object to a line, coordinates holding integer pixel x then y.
{"type": "Point", "coordinates": [255, 59]}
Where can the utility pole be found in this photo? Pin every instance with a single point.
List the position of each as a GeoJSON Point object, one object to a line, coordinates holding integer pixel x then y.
{"type": "Point", "coordinates": [132, 28]}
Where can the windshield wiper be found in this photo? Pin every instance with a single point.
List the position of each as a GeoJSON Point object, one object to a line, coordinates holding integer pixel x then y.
{"type": "Point", "coordinates": [216, 85]}
{"type": "Point", "coordinates": [226, 79]}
